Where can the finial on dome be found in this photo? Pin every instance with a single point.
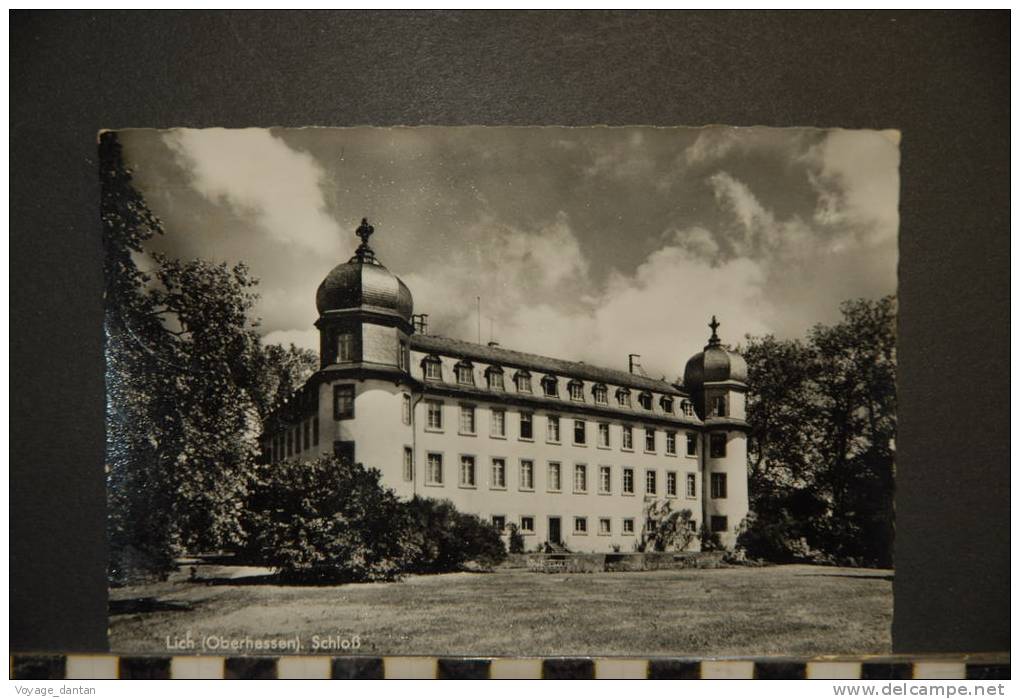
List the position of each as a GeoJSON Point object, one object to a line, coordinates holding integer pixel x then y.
{"type": "Point", "coordinates": [714, 340]}
{"type": "Point", "coordinates": [365, 231]}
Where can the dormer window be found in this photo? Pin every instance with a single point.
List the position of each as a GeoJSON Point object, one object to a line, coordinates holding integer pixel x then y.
{"type": "Point", "coordinates": [432, 368]}
{"type": "Point", "coordinates": [645, 400]}
{"type": "Point", "coordinates": [686, 408]}
{"type": "Point", "coordinates": [623, 397]}
{"type": "Point", "coordinates": [600, 393]}
{"type": "Point", "coordinates": [494, 378]}
{"type": "Point", "coordinates": [576, 390]}
{"type": "Point", "coordinates": [522, 382]}
{"type": "Point", "coordinates": [550, 386]}
{"type": "Point", "coordinates": [667, 405]}
{"type": "Point", "coordinates": [465, 373]}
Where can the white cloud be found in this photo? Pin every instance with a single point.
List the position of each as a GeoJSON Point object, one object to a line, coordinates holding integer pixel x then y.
{"type": "Point", "coordinates": [260, 176]}
{"type": "Point", "coordinates": [309, 339]}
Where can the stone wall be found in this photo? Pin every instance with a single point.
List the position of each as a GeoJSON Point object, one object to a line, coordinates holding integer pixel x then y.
{"type": "Point", "coordinates": [613, 562]}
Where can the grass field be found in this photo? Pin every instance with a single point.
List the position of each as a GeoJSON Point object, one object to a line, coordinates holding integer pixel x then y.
{"type": "Point", "coordinates": [781, 610]}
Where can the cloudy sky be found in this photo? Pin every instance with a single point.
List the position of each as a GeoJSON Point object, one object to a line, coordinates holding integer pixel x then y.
{"type": "Point", "coordinates": [583, 243]}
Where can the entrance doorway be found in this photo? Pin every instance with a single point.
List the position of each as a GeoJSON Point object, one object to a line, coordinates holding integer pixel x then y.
{"type": "Point", "coordinates": [554, 530]}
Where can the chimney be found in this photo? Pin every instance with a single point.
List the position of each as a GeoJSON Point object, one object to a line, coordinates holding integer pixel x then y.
{"type": "Point", "coordinates": [632, 364]}
{"type": "Point", "coordinates": [420, 321]}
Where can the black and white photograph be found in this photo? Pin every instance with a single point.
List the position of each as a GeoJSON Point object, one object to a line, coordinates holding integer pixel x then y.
{"type": "Point", "coordinates": [500, 391]}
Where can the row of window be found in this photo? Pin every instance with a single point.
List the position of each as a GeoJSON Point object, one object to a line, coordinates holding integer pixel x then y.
{"type": "Point", "coordinates": [293, 440]}
{"type": "Point", "coordinates": [525, 430]}
{"type": "Point", "coordinates": [605, 524]}
{"type": "Point", "coordinates": [464, 374]}
{"type": "Point", "coordinates": [468, 477]}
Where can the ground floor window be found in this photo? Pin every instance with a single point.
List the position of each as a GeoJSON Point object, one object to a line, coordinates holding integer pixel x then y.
{"type": "Point", "coordinates": [527, 524]}
{"type": "Point", "coordinates": [628, 525]}
{"type": "Point", "coordinates": [499, 522]}
{"type": "Point", "coordinates": [719, 523]}
{"type": "Point", "coordinates": [580, 525]}
{"type": "Point", "coordinates": [605, 526]}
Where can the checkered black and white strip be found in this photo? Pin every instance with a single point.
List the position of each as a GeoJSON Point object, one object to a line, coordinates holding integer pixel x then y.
{"type": "Point", "coordinates": [412, 667]}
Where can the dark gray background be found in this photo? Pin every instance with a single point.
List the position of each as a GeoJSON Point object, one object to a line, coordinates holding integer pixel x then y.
{"type": "Point", "coordinates": [942, 78]}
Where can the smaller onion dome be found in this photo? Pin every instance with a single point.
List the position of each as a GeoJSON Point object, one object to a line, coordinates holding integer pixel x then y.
{"type": "Point", "coordinates": [715, 363]}
{"type": "Point", "coordinates": [364, 281]}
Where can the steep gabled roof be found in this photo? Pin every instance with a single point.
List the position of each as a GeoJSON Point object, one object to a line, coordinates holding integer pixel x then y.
{"type": "Point", "coordinates": [434, 344]}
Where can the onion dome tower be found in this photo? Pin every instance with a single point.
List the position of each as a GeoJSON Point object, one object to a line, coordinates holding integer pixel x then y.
{"type": "Point", "coordinates": [717, 381]}
{"type": "Point", "coordinates": [364, 311]}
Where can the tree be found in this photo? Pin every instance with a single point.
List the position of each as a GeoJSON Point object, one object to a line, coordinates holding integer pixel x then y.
{"type": "Point", "coordinates": [284, 370]}
{"type": "Point", "coordinates": [328, 519]}
{"type": "Point", "coordinates": [182, 366]}
{"type": "Point", "coordinates": [821, 448]}
{"type": "Point", "coordinates": [665, 528]}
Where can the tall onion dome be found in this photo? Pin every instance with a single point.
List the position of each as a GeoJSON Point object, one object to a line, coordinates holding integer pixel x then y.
{"type": "Point", "coordinates": [716, 364]}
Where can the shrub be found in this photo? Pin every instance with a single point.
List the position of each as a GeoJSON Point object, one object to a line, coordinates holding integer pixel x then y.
{"type": "Point", "coordinates": [326, 519]}
{"type": "Point", "coordinates": [438, 538]}
{"type": "Point", "coordinates": [516, 539]}
{"type": "Point", "coordinates": [665, 528]}
{"type": "Point", "coordinates": [710, 540]}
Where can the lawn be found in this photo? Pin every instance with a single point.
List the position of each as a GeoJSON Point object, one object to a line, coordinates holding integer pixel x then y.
{"type": "Point", "coordinates": [781, 610]}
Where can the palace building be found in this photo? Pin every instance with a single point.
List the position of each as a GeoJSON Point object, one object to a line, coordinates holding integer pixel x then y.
{"type": "Point", "coordinates": [570, 453]}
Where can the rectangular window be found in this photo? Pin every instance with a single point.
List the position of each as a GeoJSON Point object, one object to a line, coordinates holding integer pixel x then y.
{"type": "Point", "coordinates": [550, 387]}
{"type": "Point", "coordinates": [344, 450]}
{"type": "Point", "coordinates": [605, 526]}
{"type": "Point", "coordinates": [467, 419]}
{"type": "Point", "coordinates": [495, 379]}
{"type": "Point", "coordinates": [671, 443]}
{"type": "Point", "coordinates": [692, 485]}
{"type": "Point", "coordinates": [402, 356]}
{"type": "Point", "coordinates": [527, 480]}
{"type": "Point", "coordinates": [719, 406]}
{"type": "Point", "coordinates": [603, 434]}
{"type": "Point", "coordinates": [650, 484]}
{"type": "Point", "coordinates": [433, 369]}
{"type": "Point", "coordinates": [499, 522]}
{"type": "Point", "coordinates": [555, 483]}
{"type": "Point", "coordinates": [605, 479]}
{"type": "Point", "coordinates": [345, 348]}
{"type": "Point", "coordinates": [434, 415]}
{"type": "Point", "coordinates": [719, 486]}
{"type": "Point", "coordinates": [343, 402]}
{"type": "Point", "coordinates": [576, 389]}
{"type": "Point", "coordinates": [499, 473]}
{"type": "Point", "coordinates": [315, 431]}
{"type": "Point", "coordinates": [719, 523]}
{"type": "Point", "coordinates": [526, 430]}
{"type": "Point", "coordinates": [408, 464]}
{"type": "Point", "coordinates": [628, 481]}
{"type": "Point", "coordinates": [435, 470]}
{"type": "Point", "coordinates": [465, 374]}
{"type": "Point", "coordinates": [628, 438]}
{"type": "Point", "coordinates": [717, 445]}
{"type": "Point", "coordinates": [580, 478]}
{"type": "Point", "coordinates": [692, 444]}
{"type": "Point", "coordinates": [467, 471]}
{"type": "Point", "coordinates": [552, 433]}
{"type": "Point", "coordinates": [671, 484]}
{"type": "Point", "coordinates": [579, 432]}
{"type": "Point", "coordinates": [527, 524]}
{"type": "Point", "coordinates": [649, 439]}
{"type": "Point", "coordinates": [498, 423]}
{"type": "Point", "coordinates": [405, 408]}
{"type": "Point", "coordinates": [628, 525]}
{"type": "Point", "coordinates": [580, 525]}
